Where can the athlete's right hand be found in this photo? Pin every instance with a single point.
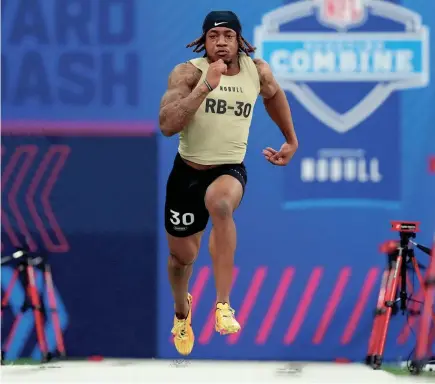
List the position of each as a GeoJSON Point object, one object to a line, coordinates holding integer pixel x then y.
{"type": "Point", "coordinates": [215, 71]}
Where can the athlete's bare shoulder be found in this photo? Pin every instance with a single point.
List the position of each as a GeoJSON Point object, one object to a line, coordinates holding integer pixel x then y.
{"type": "Point", "coordinates": [187, 72]}
{"type": "Point", "coordinates": [182, 80]}
{"type": "Point", "coordinates": [268, 84]}
{"type": "Point", "coordinates": [260, 63]}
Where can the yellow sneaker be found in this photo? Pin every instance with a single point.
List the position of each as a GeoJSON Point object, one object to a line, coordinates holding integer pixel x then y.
{"type": "Point", "coordinates": [226, 323]}
{"type": "Point", "coordinates": [183, 332]}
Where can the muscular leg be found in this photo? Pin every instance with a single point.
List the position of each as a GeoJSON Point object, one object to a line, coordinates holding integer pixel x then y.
{"type": "Point", "coordinates": [222, 198]}
{"type": "Point", "coordinates": [182, 253]}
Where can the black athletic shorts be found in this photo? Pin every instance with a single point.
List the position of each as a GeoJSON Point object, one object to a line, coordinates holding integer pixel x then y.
{"type": "Point", "coordinates": [185, 211]}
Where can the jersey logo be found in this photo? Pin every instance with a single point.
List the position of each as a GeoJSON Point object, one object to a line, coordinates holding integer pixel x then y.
{"type": "Point", "coordinates": [392, 61]}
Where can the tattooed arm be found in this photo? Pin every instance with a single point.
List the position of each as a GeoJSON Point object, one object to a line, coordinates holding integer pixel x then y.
{"type": "Point", "coordinates": [182, 99]}
{"type": "Point", "coordinates": [275, 102]}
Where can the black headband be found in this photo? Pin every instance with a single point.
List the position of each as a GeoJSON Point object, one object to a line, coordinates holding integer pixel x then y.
{"type": "Point", "coordinates": [225, 19]}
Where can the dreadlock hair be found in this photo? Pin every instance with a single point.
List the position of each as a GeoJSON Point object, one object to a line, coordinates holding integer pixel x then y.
{"type": "Point", "coordinates": [244, 46]}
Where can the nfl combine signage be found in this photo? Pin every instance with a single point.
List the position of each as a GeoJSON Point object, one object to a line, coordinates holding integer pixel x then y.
{"type": "Point", "coordinates": [343, 61]}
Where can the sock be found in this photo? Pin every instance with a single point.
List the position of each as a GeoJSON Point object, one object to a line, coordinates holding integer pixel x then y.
{"type": "Point", "coordinates": [180, 316]}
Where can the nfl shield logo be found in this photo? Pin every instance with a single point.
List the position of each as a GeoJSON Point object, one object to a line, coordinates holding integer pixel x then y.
{"type": "Point", "coordinates": [342, 14]}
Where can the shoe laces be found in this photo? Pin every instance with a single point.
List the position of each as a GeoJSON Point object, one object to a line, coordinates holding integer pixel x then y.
{"type": "Point", "coordinates": [179, 329]}
{"type": "Point", "coordinates": [227, 312]}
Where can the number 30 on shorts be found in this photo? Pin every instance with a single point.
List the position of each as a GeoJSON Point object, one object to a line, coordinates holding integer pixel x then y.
{"type": "Point", "coordinates": [185, 218]}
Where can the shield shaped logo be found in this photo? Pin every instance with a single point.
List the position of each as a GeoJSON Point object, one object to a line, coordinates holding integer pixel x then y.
{"type": "Point", "coordinates": [392, 61]}
{"type": "Point", "coordinates": [342, 13]}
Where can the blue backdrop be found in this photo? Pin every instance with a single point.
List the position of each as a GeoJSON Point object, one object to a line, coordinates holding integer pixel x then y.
{"type": "Point", "coordinates": [308, 265]}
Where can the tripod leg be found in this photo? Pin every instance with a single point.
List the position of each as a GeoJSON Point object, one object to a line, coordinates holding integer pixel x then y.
{"type": "Point", "coordinates": [423, 335]}
{"type": "Point", "coordinates": [422, 345]}
{"type": "Point", "coordinates": [417, 270]}
{"type": "Point", "coordinates": [53, 309]}
{"type": "Point", "coordinates": [37, 311]}
{"type": "Point", "coordinates": [7, 344]}
{"type": "Point", "coordinates": [8, 292]}
{"type": "Point", "coordinates": [380, 308]}
{"type": "Point", "coordinates": [384, 322]}
{"type": "Point", "coordinates": [4, 303]}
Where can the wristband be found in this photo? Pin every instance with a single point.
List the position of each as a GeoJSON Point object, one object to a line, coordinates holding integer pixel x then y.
{"type": "Point", "coordinates": [208, 85]}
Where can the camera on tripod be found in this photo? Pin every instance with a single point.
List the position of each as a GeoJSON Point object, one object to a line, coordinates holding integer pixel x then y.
{"type": "Point", "coordinates": [25, 263]}
{"type": "Point", "coordinates": [393, 292]}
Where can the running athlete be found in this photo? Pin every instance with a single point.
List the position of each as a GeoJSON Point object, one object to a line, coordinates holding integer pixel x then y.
{"type": "Point", "coordinates": [209, 102]}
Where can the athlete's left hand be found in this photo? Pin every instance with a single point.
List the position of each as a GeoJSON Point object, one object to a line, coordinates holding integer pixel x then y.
{"type": "Point", "coordinates": [281, 157]}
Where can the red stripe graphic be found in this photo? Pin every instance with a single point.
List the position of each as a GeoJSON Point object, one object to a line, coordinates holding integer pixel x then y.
{"type": "Point", "coordinates": [199, 285]}
{"type": "Point", "coordinates": [5, 178]}
{"type": "Point", "coordinates": [207, 330]}
{"type": "Point", "coordinates": [432, 164]}
{"type": "Point", "coordinates": [64, 152]}
{"type": "Point", "coordinates": [132, 128]}
{"type": "Point", "coordinates": [12, 332]}
{"type": "Point", "coordinates": [275, 306]}
{"type": "Point", "coordinates": [8, 292]}
{"type": "Point", "coordinates": [9, 230]}
{"type": "Point", "coordinates": [360, 305]}
{"type": "Point", "coordinates": [249, 301]}
{"type": "Point", "coordinates": [3, 151]}
{"type": "Point", "coordinates": [303, 305]}
{"type": "Point", "coordinates": [31, 151]}
{"type": "Point", "coordinates": [332, 304]}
